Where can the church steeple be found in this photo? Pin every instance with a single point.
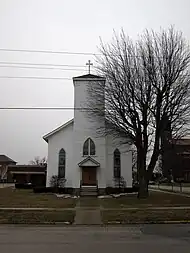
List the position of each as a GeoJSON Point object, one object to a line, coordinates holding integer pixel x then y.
{"type": "Point", "coordinates": [89, 77]}
{"type": "Point", "coordinates": [89, 63]}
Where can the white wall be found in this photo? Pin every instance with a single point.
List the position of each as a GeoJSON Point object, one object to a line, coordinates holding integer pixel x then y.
{"type": "Point", "coordinates": [126, 161]}
{"type": "Point", "coordinates": [62, 139]}
{"type": "Point", "coordinates": [72, 138]}
{"type": "Point", "coordinates": [126, 165]}
{"type": "Point", "coordinates": [85, 128]}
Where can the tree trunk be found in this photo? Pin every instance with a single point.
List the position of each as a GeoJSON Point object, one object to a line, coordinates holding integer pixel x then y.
{"type": "Point", "coordinates": [142, 175]}
{"type": "Point", "coordinates": [138, 167]}
{"type": "Point", "coordinates": [153, 160]}
{"type": "Point", "coordinates": [143, 188]}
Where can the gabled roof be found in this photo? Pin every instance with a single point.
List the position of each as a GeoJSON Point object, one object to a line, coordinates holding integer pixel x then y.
{"type": "Point", "coordinates": [6, 159]}
{"type": "Point", "coordinates": [46, 137]}
{"type": "Point", "coordinates": [27, 168]}
{"type": "Point", "coordinates": [89, 162]}
{"type": "Point", "coordinates": [89, 76]}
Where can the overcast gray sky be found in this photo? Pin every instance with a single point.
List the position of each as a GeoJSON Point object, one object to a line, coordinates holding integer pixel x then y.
{"type": "Point", "coordinates": [62, 25]}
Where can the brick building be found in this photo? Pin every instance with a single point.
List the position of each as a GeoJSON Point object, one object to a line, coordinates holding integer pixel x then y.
{"type": "Point", "coordinates": [175, 157]}
{"type": "Point", "coordinates": [5, 161]}
{"type": "Point", "coordinates": [10, 172]}
{"type": "Point", "coordinates": [24, 174]}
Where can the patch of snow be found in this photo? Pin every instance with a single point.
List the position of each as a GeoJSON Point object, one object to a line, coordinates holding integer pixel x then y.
{"type": "Point", "coordinates": [59, 195]}
{"type": "Point", "coordinates": [114, 222]}
{"type": "Point", "coordinates": [66, 196]}
{"type": "Point", "coordinates": [67, 223]}
{"type": "Point", "coordinates": [113, 195]}
{"type": "Point", "coordinates": [119, 195]}
{"type": "Point", "coordinates": [104, 196]}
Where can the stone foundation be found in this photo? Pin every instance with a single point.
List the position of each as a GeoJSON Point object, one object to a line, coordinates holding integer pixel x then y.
{"type": "Point", "coordinates": [101, 191]}
{"type": "Point", "coordinates": [76, 192]}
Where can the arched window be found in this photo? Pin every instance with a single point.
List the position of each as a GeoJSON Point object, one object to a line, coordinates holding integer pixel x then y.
{"type": "Point", "coordinates": [62, 158]}
{"type": "Point", "coordinates": [85, 147]}
{"type": "Point", "coordinates": [89, 147]}
{"type": "Point", "coordinates": [117, 164]}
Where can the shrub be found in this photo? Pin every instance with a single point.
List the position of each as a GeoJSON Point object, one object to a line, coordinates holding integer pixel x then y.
{"type": "Point", "coordinates": [59, 190]}
{"type": "Point", "coordinates": [23, 186]}
{"type": "Point", "coordinates": [57, 181]}
{"type": "Point", "coordinates": [42, 189]}
{"type": "Point", "coordinates": [119, 182]}
{"type": "Point", "coordinates": [68, 190]}
{"type": "Point", "coordinates": [135, 188]}
{"type": "Point", "coordinates": [111, 190]}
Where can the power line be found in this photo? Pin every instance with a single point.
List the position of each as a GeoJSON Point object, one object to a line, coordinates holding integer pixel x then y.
{"type": "Point", "coordinates": [35, 77]}
{"type": "Point", "coordinates": [30, 67]}
{"type": "Point", "coordinates": [38, 77]}
{"type": "Point", "coordinates": [46, 108]}
{"type": "Point", "coordinates": [46, 51]}
{"type": "Point", "coordinates": [58, 52]}
{"type": "Point", "coordinates": [43, 64]}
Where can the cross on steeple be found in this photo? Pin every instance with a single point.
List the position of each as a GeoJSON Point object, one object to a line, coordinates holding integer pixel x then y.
{"type": "Point", "coordinates": [89, 63]}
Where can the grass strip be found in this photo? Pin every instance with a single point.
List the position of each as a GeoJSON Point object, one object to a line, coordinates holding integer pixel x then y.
{"type": "Point", "coordinates": [35, 217]}
{"type": "Point", "coordinates": [26, 198]}
{"type": "Point", "coordinates": [144, 216]}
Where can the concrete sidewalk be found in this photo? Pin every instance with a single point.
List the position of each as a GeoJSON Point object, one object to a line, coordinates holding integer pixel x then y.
{"type": "Point", "coordinates": [84, 209]}
{"type": "Point", "coordinates": [36, 209]}
{"type": "Point", "coordinates": [81, 206]}
{"type": "Point", "coordinates": [87, 215]}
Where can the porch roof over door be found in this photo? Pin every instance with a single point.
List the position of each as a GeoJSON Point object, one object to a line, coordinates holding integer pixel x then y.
{"type": "Point", "coordinates": [89, 162]}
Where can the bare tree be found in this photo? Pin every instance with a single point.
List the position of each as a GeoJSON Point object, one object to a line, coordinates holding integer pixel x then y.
{"type": "Point", "coordinates": [38, 161]}
{"type": "Point", "coordinates": [134, 160]}
{"type": "Point", "coordinates": [147, 87]}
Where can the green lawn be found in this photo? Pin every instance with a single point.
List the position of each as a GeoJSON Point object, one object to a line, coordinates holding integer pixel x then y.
{"type": "Point", "coordinates": [35, 217]}
{"type": "Point", "coordinates": [145, 216]}
{"type": "Point", "coordinates": [26, 198]}
{"type": "Point", "coordinates": [155, 199]}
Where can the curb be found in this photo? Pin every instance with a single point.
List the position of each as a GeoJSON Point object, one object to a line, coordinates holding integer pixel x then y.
{"type": "Point", "coordinates": [66, 223]}
{"type": "Point", "coordinates": [148, 222]}
{"type": "Point", "coordinates": [112, 223]}
{"type": "Point", "coordinates": [35, 209]}
{"type": "Point", "coordinates": [146, 208]}
{"type": "Point", "coordinates": [178, 222]}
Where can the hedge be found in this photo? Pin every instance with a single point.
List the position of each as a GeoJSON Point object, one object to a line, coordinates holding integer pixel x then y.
{"type": "Point", "coordinates": [60, 190]}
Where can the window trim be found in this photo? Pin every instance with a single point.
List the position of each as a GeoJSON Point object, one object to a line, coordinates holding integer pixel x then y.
{"type": "Point", "coordinates": [89, 141]}
{"type": "Point", "coordinates": [116, 167]}
{"type": "Point", "coordinates": [61, 166]}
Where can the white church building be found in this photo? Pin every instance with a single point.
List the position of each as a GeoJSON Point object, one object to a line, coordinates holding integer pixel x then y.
{"type": "Point", "coordinates": [84, 158]}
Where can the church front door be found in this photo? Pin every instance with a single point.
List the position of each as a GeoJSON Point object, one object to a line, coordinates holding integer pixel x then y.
{"type": "Point", "coordinates": [88, 176]}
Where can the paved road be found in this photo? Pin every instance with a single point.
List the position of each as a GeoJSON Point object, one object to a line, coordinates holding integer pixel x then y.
{"type": "Point", "coordinates": [132, 239]}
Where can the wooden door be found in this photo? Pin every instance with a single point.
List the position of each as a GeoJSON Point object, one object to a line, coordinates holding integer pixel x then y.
{"type": "Point", "coordinates": [89, 176]}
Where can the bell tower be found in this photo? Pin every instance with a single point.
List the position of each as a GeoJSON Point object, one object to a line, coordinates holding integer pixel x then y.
{"type": "Point", "coordinates": [84, 126]}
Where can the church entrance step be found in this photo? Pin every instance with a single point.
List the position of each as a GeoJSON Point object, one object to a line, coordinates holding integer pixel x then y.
{"type": "Point", "coordinates": [88, 191]}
